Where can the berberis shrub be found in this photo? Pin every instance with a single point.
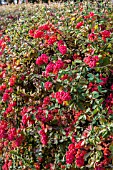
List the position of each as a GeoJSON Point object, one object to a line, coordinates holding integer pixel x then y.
{"type": "Point", "coordinates": [56, 86]}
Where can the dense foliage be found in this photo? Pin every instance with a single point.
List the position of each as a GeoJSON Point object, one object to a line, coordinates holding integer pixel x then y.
{"type": "Point", "coordinates": [56, 92]}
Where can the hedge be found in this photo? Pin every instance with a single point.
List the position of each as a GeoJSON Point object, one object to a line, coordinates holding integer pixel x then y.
{"type": "Point", "coordinates": [56, 74]}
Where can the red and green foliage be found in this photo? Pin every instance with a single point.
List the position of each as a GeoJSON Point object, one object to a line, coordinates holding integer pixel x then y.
{"type": "Point", "coordinates": [56, 75]}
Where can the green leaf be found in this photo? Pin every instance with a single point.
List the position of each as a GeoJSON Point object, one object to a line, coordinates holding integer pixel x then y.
{"type": "Point", "coordinates": [91, 77]}
{"type": "Point", "coordinates": [98, 80]}
{"type": "Point", "coordinates": [78, 61]}
{"type": "Point", "coordinates": [95, 94]}
{"type": "Point", "coordinates": [100, 89]}
{"type": "Point", "coordinates": [104, 61]}
{"type": "Point", "coordinates": [95, 111]}
{"type": "Point", "coordinates": [111, 147]}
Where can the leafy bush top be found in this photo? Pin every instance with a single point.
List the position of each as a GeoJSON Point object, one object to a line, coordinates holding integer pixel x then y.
{"type": "Point", "coordinates": [56, 87]}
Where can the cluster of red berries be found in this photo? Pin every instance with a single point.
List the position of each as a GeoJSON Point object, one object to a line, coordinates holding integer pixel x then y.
{"type": "Point", "coordinates": [91, 61]}
{"type": "Point", "coordinates": [43, 59]}
{"type": "Point", "coordinates": [48, 85]}
{"type": "Point", "coordinates": [54, 67]}
{"type": "Point", "coordinates": [105, 34]}
{"type": "Point", "coordinates": [61, 96]}
{"type": "Point", "coordinates": [109, 103]}
{"type": "Point", "coordinates": [76, 152]}
{"type": "Point", "coordinates": [43, 137]}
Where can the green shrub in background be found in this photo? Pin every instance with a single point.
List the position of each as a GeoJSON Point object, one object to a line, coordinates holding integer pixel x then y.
{"type": "Point", "coordinates": [56, 86]}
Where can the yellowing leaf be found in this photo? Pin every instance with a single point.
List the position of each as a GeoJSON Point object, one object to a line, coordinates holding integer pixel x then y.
{"type": "Point", "coordinates": [66, 103]}
{"type": "Point", "coordinates": [79, 18]}
{"type": "Point", "coordinates": [72, 19]}
{"type": "Point", "coordinates": [9, 66]}
{"type": "Point", "coordinates": [96, 27]}
{"type": "Point", "coordinates": [18, 62]}
{"type": "Point", "coordinates": [109, 45]}
{"type": "Point", "coordinates": [60, 89]}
